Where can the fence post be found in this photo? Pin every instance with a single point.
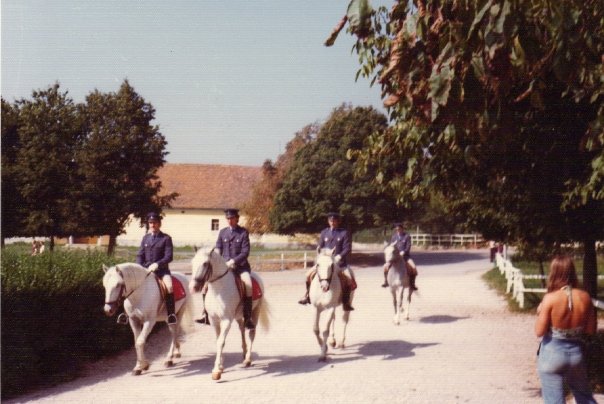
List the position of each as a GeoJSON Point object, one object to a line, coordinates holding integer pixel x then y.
{"type": "Point", "coordinates": [305, 258]}
{"type": "Point", "coordinates": [282, 261]}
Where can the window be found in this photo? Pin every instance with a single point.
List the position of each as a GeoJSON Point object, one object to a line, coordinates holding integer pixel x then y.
{"type": "Point", "coordinates": [215, 224]}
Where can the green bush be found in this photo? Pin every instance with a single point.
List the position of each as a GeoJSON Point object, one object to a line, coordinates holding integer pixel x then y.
{"type": "Point", "coordinates": [52, 318]}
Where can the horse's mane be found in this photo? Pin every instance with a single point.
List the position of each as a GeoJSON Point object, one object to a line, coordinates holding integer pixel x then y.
{"type": "Point", "coordinates": [134, 274]}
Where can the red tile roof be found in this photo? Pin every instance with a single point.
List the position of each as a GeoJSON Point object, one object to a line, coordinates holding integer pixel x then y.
{"type": "Point", "coordinates": [208, 186]}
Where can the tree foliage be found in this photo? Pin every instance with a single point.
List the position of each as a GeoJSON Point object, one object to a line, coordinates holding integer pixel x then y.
{"type": "Point", "coordinates": [118, 161]}
{"type": "Point", "coordinates": [497, 104]}
{"type": "Point", "coordinates": [84, 169]}
{"type": "Point", "coordinates": [322, 179]}
{"type": "Point", "coordinates": [261, 202]}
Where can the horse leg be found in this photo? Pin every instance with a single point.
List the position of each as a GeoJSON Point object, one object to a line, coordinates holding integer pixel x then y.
{"type": "Point", "coordinates": [397, 314]}
{"type": "Point", "coordinates": [409, 293]}
{"type": "Point", "coordinates": [248, 337]}
{"type": "Point", "coordinates": [332, 331]}
{"type": "Point", "coordinates": [325, 334]}
{"type": "Point", "coordinates": [343, 320]}
{"type": "Point", "coordinates": [316, 326]}
{"type": "Point", "coordinates": [222, 333]}
{"type": "Point", "coordinates": [174, 346]}
{"type": "Point", "coordinates": [139, 343]}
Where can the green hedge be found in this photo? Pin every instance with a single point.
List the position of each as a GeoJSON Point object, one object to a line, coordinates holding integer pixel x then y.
{"type": "Point", "coordinates": [52, 317]}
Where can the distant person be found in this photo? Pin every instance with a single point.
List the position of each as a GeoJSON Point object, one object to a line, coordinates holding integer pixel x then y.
{"type": "Point", "coordinates": [155, 253]}
{"type": "Point", "coordinates": [492, 249]}
{"type": "Point", "coordinates": [565, 314]}
{"type": "Point", "coordinates": [336, 237]}
{"type": "Point", "coordinates": [403, 244]}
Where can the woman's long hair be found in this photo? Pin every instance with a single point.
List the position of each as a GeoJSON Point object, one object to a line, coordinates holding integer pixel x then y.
{"type": "Point", "coordinates": [561, 273]}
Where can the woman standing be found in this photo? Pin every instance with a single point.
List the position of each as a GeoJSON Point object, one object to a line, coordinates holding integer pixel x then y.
{"type": "Point", "coordinates": [564, 315]}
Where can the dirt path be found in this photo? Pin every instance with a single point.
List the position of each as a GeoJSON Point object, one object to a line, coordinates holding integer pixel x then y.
{"type": "Point", "coordinates": [460, 345]}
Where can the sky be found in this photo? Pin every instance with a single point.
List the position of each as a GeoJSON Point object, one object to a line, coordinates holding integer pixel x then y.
{"type": "Point", "coordinates": [231, 81]}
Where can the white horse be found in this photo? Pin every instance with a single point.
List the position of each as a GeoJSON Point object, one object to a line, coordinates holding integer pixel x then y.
{"type": "Point", "coordinates": [224, 304]}
{"type": "Point", "coordinates": [144, 306]}
{"type": "Point", "coordinates": [398, 280]}
{"type": "Point", "coordinates": [326, 296]}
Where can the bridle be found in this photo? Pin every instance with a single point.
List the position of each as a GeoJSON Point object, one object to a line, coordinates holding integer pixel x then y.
{"type": "Point", "coordinates": [330, 272]}
{"type": "Point", "coordinates": [121, 296]}
{"type": "Point", "coordinates": [210, 271]}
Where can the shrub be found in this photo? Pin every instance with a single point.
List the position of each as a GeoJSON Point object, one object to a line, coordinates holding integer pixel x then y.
{"type": "Point", "coordinates": [52, 319]}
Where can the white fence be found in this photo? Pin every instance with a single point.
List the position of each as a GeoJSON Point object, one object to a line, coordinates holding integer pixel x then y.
{"type": "Point", "coordinates": [282, 260]}
{"type": "Point", "coordinates": [515, 281]}
{"type": "Point", "coordinates": [446, 240]}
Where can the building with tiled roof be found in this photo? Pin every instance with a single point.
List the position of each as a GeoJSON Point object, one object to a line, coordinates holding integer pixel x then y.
{"type": "Point", "coordinates": [204, 191]}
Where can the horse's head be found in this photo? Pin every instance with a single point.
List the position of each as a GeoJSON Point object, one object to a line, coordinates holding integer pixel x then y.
{"type": "Point", "coordinates": [201, 268]}
{"type": "Point", "coordinates": [325, 269]}
{"type": "Point", "coordinates": [113, 282]}
{"type": "Point", "coordinates": [391, 254]}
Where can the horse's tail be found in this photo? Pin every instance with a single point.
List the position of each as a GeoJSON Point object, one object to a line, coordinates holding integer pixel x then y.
{"type": "Point", "coordinates": [264, 315]}
{"type": "Point", "coordinates": [186, 319]}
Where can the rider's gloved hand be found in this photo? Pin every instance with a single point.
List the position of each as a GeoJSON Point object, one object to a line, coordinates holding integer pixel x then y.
{"type": "Point", "coordinates": [153, 267]}
{"type": "Point", "coordinates": [338, 258]}
{"type": "Point", "coordinates": [230, 263]}
{"type": "Point", "coordinates": [402, 253]}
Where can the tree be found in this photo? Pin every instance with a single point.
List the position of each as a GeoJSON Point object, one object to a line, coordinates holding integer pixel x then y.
{"type": "Point", "coordinates": [49, 130]}
{"type": "Point", "coordinates": [12, 216]}
{"type": "Point", "coordinates": [322, 179]}
{"type": "Point", "coordinates": [261, 202]}
{"type": "Point", "coordinates": [118, 161]}
{"type": "Point", "coordinates": [506, 98]}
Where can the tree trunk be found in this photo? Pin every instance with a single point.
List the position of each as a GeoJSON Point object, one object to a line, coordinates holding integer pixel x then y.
{"type": "Point", "coordinates": [542, 273]}
{"type": "Point", "coordinates": [51, 245]}
{"type": "Point", "coordinates": [590, 268]}
{"type": "Point", "coordinates": [2, 242]}
{"type": "Point", "coordinates": [112, 244]}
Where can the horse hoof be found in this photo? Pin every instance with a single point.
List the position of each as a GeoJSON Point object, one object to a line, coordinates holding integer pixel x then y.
{"type": "Point", "coordinates": [136, 372]}
{"type": "Point", "coordinates": [216, 375]}
{"type": "Point", "coordinates": [169, 364]}
{"type": "Point", "coordinates": [247, 364]}
{"type": "Point", "coordinates": [177, 355]}
{"type": "Point", "coordinates": [322, 359]}
{"type": "Point", "coordinates": [146, 367]}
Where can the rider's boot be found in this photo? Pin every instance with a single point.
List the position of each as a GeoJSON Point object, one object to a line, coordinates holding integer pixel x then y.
{"type": "Point", "coordinates": [205, 318]}
{"type": "Point", "coordinates": [247, 313]}
{"type": "Point", "coordinates": [306, 298]}
{"type": "Point", "coordinates": [385, 284]}
{"type": "Point", "coordinates": [170, 308]}
{"type": "Point", "coordinates": [346, 299]}
{"type": "Point", "coordinates": [412, 282]}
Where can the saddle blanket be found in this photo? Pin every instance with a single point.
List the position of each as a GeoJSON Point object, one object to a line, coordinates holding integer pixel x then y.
{"type": "Point", "coordinates": [256, 291]}
{"type": "Point", "coordinates": [180, 292]}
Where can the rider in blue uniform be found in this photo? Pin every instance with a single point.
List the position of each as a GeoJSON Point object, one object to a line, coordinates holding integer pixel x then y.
{"type": "Point", "coordinates": [403, 244]}
{"type": "Point", "coordinates": [155, 253]}
{"type": "Point", "coordinates": [336, 237]}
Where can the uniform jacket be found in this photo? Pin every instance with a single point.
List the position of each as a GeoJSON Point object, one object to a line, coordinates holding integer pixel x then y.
{"type": "Point", "coordinates": [235, 244]}
{"type": "Point", "coordinates": [403, 243]}
{"type": "Point", "coordinates": [338, 239]}
{"type": "Point", "coordinates": [158, 250]}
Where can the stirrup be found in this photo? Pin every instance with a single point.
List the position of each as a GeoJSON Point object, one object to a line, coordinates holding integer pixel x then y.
{"type": "Point", "coordinates": [122, 319]}
{"type": "Point", "coordinates": [347, 307]}
{"type": "Point", "coordinates": [385, 284]}
{"type": "Point", "coordinates": [249, 325]}
{"type": "Point", "coordinates": [304, 300]}
{"type": "Point", "coordinates": [172, 319]}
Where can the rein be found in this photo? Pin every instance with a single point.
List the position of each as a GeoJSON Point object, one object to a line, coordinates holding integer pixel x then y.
{"type": "Point", "coordinates": [329, 277]}
{"type": "Point", "coordinates": [208, 275]}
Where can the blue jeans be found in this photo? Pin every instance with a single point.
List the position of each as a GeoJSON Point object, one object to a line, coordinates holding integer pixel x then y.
{"type": "Point", "coordinates": [559, 361]}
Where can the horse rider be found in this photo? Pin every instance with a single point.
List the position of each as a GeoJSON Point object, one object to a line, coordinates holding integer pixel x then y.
{"type": "Point", "coordinates": [336, 237]}
{"type": "Point", "coordinates": [403, 244]}
{"type": "Point", "coordinates": [155, 253]}
{"type": "Point", "coordinates": [233, 244]}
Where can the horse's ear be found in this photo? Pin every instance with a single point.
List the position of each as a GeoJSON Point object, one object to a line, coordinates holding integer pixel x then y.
{"type": "Point", "coordinates": [105, 268]}
{"type": "Point", "coordinates": [195, 248]}
{"type": "Point", "coordinates": [318, 250]}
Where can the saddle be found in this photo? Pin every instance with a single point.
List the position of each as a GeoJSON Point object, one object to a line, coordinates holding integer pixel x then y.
{"type": "Point", "coordinates": [178, 289]}
{"type": "Point", "coordinates": [256, 291]}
